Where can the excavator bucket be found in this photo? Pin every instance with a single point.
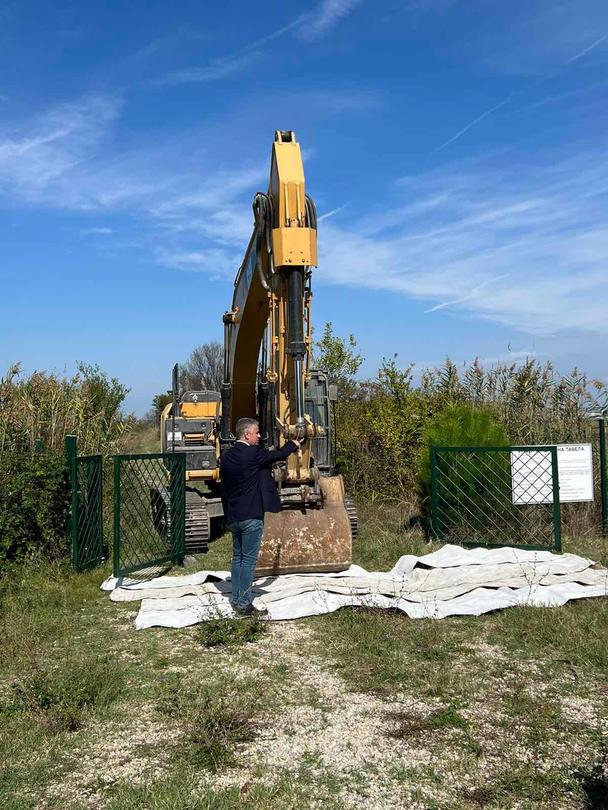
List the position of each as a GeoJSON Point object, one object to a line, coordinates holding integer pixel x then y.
{"type": "Point", "coordinates": [309, 539]}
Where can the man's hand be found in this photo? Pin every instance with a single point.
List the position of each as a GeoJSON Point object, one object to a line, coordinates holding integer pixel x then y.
{"type": "Point", "coordinates": [296, 442]}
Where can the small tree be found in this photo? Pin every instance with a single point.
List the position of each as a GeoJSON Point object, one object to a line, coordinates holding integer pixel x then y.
{"type": "Point", "coordinates": [158, 405]}
{"type": "Point", "coordinates": [337, 356]}
{"type": "Point", "coordinates": [204, 368]}
{"type": "Point", "coordinates": [465, 480]}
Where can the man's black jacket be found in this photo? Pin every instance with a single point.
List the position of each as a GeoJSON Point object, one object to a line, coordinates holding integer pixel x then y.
{"type": "Point", "coordinates": [248, 489]}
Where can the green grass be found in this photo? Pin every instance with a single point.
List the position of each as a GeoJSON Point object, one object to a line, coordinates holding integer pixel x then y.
{"type": "Point", "coordinates": [181, 791]}
{"type": "Point", "coordinates": [62, 693]}
{"type": "Point", "coordinates": [483, 700]}
{"type": "Point", "coordinates": [410, 723]}
{"type": "Point", "coordinates": [72, 664]}
{"type": "Point", "coordinates": [219, 554]}
{"type": "Point", "coordinates": [383, 537]}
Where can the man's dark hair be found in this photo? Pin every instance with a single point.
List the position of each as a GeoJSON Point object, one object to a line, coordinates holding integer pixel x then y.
{"type": "Point", "coordinates": [244, 425]}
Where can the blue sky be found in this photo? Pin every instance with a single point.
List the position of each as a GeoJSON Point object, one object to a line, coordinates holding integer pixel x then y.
{"type": "Point", "coordinates": [456, 151]}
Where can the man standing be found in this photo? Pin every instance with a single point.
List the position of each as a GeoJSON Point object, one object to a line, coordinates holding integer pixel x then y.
{"type": "Point", "coordinates": [248, 490]}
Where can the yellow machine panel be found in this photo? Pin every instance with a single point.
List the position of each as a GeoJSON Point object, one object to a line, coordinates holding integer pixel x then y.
{"type": "Point", "coordinates": [294, 246]}
{"type": "Point", "coordinates": [203, 410]}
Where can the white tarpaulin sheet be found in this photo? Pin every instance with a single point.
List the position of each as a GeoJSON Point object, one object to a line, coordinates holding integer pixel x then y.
{"type": "Point", "coordinates": [449, 582]}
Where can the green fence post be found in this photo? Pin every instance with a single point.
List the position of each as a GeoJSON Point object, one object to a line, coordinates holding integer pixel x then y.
{"type": "Point", "coordinates": [435, 530]}
{"type": "Point", "coordinates": [177, 505]}
{"type": "Point", "coordinates": [116, 550]}
{"type": "Point", "coordinates": [603, 475]}
{"type": "Point", "coordinates": [557, 518]}
{"type": "Point", "coordinates": [71, 453]}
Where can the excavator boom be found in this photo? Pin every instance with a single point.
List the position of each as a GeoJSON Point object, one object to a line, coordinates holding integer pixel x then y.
{"type": "Point", "coordinates": [267, 371]}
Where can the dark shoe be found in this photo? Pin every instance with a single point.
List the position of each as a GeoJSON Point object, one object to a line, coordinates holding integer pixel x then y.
{"type": "Point", "coordinates": [250, 612]}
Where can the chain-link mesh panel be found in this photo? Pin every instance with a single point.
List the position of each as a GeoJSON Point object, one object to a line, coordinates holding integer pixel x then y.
{"type": "Point", "coordinates": [496, 496]}
{"type": "Point", "coordinates": [88, 542]}
{"type": "Point", "coordinates": [149, 512]}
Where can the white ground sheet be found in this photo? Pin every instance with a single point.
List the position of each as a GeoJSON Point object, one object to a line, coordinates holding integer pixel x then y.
{"type": "Point", "coordinates": [449, 582]}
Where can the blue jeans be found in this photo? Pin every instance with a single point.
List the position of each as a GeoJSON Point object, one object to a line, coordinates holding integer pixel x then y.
{"type": "Point", "coordinates": [246, 541]}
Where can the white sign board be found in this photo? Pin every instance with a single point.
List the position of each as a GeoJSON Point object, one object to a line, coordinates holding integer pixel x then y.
{"type": "Point", "coordinates": [575, 471]}
{"type": "Point", "coordinates": [532, 480]}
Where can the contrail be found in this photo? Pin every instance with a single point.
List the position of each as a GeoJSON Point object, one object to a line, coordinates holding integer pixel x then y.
{"type": "Point", "coordinates": [506, 100]}
{"type": "Point", "coordinates": [475, 121]}
{"type": "Point", "coordinates": [330, 213]}
{"type": "Point", "coordinates": [587, 49]}
{"type": "Point", "coordinates": [468, 296]}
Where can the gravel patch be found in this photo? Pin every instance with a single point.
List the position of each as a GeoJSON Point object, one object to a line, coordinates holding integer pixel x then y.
{"type": "Point", "coordinates": [342, 744]}
{"type": "Point", "coordinates": [343, 735]}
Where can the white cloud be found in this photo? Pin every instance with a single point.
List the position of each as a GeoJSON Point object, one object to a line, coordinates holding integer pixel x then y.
{"type": "Point", "coordinates": [45, 149]}
{"type": "Point", "coordinates": [548, 36]}
{"type": "Point", "coordinates": [61, 159]}
{"type": "Point", "coordinates": [523, 245]}
{"type": "Point", "coordinates": [475, 121]}
{"type": "Point", "coordinates": [220, 68]}
{"type": "Point", "coordinates": [96, 231]}
{"type": "Point", "coordinates": [179, 195]}
{"type": "Point", "coordinates": [325, 16]}
{"type": "Point", "coordinates": [467, 297]}
{"type": "Point", "coordinates": [214, 262]}
{"type": "Point", "coordinates": [309, 26]}
{"type": "Point", "coordinates": [331, 213]}
{"type": "Point", "coordinates": [591, 47]}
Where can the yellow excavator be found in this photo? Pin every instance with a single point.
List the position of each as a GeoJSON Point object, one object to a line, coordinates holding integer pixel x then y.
{"type": "Point", "coordinates": [268, 374]}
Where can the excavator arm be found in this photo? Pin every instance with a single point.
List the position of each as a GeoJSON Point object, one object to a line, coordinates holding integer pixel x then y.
{"type": "Point", "coordinates": [267, 368]}
{"type": "Point", "coordinates": [271, 310]}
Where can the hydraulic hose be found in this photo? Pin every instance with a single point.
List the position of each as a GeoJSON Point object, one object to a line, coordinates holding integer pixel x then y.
{"type": "Point", "coordinates": [311, 213]}
{"type": "Point", "coordinates": [263, 216]}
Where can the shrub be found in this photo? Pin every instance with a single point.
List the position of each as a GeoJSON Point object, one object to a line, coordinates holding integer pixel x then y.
{"type": "Point", "coordinates": [47, 407]}
{"type": "Point", "coordinates": [230, 632]}
{"type": "Point", "coordinates": [458, 425]}
{"type": "Point", "coordinates": [34, 505]}
{"type": "Point", "coordinates": [215, 718]}
{"type": "Point", "coordinates": [468, 483]}
{"type": "Point", "coordinates": [535, 403]}
{"type": "Point", "coordinates": [40, 410]}
{"type": "Point", "coordinates": [380, 424]}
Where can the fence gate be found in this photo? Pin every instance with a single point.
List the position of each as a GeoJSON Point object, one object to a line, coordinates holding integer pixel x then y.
{"type": "Point", "coordinates": [86, 512]}
{"type": "Point", "coordinates": [149, 511]}
{"type": "Point", "coordinates": [496, 496]}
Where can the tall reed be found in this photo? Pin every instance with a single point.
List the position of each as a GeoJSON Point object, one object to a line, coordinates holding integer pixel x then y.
{"type": "Point", "coordinates": [46, 407]}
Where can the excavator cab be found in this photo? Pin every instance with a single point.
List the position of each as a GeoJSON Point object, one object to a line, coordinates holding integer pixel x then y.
{"type": "Point", "coordinates": [193, 431]}
{"type": "Point", "coordinates": [189, 424]}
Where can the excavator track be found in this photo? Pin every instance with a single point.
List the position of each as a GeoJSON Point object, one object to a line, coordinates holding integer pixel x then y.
{"type": "Point", "coordinates": [197, 520]}
{"type": "Point", "coordinates": [351, 511]}
{"type": "Point", "coordinates": [198, 528]}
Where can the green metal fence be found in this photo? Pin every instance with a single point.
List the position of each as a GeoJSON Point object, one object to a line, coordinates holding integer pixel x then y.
{"type": "Point", "coordinates": [149, 511]}
{"type": "Point", "coordinates": [603, 477]}
{"type": "Point", "coordinates": [496, 496]}
{"type": "Point", "coordinates": [86, 508]}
